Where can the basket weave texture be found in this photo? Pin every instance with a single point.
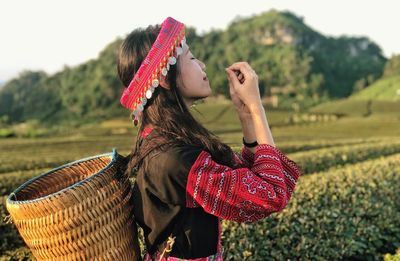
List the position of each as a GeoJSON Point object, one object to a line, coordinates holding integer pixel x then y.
{"type": "Point", "coordinates": [78, 211]}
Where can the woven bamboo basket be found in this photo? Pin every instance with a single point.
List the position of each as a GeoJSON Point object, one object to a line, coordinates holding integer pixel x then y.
{"type": "Point", "coordinates": [78, 211]}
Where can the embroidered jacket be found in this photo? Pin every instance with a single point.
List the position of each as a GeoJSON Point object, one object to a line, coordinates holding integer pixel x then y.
{"type": "Point", "coordinates": [187, 179]}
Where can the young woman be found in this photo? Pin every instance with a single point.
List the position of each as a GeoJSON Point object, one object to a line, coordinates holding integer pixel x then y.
{"type": "Point", "coordinates": [187, 180]}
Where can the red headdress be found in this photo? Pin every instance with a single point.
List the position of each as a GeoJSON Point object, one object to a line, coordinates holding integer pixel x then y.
{"type": "Point", "coordinates": [163, 53]}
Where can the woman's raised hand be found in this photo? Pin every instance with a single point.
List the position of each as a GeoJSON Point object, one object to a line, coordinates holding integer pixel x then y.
{"type": "Point", "coordinates": [243, 83]}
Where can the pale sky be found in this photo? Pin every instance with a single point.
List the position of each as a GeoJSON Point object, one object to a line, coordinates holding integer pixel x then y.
{"type": "Point", "coordinates": [48, 34]}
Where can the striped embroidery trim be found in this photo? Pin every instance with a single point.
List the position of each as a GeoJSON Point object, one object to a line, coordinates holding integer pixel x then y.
{"type": "Point", "coordinates": [196, 188]}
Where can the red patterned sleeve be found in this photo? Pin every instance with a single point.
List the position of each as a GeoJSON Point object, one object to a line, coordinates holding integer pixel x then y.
{"type": "Point", "coordinates": [245, 158]}
{"type": "Point", "coordinates": [245, 194]}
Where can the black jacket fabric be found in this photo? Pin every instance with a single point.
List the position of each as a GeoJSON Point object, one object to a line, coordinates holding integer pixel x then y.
{"type": "Point", "coordinates": [159, 203]}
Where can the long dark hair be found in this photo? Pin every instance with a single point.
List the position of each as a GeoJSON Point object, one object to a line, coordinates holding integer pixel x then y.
{"type": "Point", "coordinates": [166, 111]}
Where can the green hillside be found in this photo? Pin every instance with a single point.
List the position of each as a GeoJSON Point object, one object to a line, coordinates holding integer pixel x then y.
{"type": "Point", "coordinates": [292, 60]}
{"type": "Point", "coordinates": [387, 88]}
{"type": "Point", "coordinates": [370, 97]}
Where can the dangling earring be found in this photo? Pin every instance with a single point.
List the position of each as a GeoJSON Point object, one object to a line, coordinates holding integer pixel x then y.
{"type": "Point", "coordinates": [135, 119]}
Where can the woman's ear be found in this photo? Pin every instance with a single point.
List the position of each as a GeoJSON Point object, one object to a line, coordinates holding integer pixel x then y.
{"type": "Point", "coordinates": [164, 83]}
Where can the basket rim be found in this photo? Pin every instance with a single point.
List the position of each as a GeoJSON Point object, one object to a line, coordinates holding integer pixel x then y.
{"type": "Point", "coordinates": [114, 157]}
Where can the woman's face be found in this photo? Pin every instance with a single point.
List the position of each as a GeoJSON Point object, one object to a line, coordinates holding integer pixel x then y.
{"type": "Point", "coordinates": [192, 81]}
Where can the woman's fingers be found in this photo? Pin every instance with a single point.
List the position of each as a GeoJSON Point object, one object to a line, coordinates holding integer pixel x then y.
{"type": "Point", "coordinates": [244, 68]}
{"type": "Point", "coordinates": [231, 76]}
{"type": "Point", "coordinates": [244, 80]}
{"type": "Point", "coordinates": [241, 78]}
{"type": "Point", "coordinates": [239, 75]}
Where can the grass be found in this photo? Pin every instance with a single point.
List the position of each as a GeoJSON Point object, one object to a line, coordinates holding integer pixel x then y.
{"type": "Point", "coordinates": [338, 144]}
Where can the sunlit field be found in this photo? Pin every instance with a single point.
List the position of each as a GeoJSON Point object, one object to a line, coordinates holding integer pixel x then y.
{"type": "Point", "coordinates": [346, 204]}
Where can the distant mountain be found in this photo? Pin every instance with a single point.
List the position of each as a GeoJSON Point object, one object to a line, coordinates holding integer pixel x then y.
{"type": "Point", "coordinates": [288, 53]}
{"type": "Point", "coordinates": [290, 58]}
